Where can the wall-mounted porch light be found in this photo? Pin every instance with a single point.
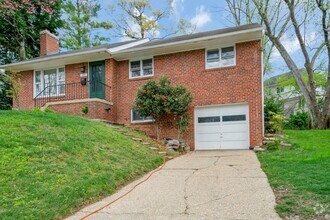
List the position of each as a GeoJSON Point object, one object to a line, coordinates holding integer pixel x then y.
{"type": "Point", "coordinates": [108, 108]}
{"type": "Point", "coordinates": [83, 69]}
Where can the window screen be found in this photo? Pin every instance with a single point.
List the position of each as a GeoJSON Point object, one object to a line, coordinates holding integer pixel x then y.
{"type": "Point", "coordinates": [213, 56]}
{"type": "Point", "coordinates": [135, 69]}
{"type": "Point", "coordinates": [138, 118]}
{"type": "Point", "coordinates": [147, 67]}
{"type": "Point", "coordinates": [233, 118]}
{"type": "Point", "coordinates": [227, 56]}
{"type": "Point", "coordinates": [209, 119]}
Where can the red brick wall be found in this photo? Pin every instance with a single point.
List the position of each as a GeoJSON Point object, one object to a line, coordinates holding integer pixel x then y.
{"type": "Point", "coordinates": [238, 84]}
{"type": "Point", "coordinates": [96, 110]}
{"type": "Point", "coordinates": [25, 98]}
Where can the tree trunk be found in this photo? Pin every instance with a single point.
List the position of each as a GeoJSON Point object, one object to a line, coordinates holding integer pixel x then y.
{"type": "Point", "coordinates": [22, 51]}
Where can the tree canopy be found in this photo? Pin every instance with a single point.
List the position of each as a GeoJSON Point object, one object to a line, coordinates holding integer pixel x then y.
{"type": "Point", "coordinates": [81, 29]}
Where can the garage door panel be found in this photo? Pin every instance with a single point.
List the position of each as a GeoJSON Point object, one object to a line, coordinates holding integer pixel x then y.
{"type": "Point", "coordinates": [209, 137]}
{"type": "Point", "coordinates": [209, 145]}
{"type": "Point", "coordinates": [208, 129]}
{"type": "Point", "coordinates": [234, 136]}
{"type": "Point", "coordinates": [227, 128]}
{"type": "Point", "coordinates": [230, 145]}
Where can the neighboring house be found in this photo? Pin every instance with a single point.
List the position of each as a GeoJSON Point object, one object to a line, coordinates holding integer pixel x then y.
{"type": "Point", "coordinates": [221, 68]}
{"type": "Point", "coordinates": [293, 100]}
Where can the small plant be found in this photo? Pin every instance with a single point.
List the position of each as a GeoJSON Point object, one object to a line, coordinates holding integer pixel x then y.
{"type": "Point", "coordinates": [49, 110]}
{"type": "Point", "coordinates": [275, 123]}
{"type": "Point", "coordinates": [37, 109]}
{"type": "Point", "coordinates": [85, 109]}
{"type": "Point", "coordinates": [273, 146]}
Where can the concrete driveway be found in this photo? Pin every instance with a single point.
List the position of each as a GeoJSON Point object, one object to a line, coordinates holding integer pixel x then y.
{"type": "Point", "coordinates": [199, 185]}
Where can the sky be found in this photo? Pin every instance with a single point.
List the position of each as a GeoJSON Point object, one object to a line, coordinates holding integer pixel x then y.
{"type": "Point", "coordinates": [205, 15]}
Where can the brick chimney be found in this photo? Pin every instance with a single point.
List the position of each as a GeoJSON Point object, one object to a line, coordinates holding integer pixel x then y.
{"type": "Point", "coordinates": [49, 43]}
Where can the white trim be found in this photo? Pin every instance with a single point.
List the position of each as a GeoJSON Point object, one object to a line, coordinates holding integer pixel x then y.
{"type": "Point", "coordinates": [58, 56]}
{"type": "Point", "coordinates": [42, 80]}
{"type": "Point", "coordinates": [220, 59]}
{"type": "Point", "coordinates": [128, 45]}
{"type": "Point", "coordinates": [139, 121]}
{"type": "Point", "coordinates": [193, 40]}
{"type": "Point", "coordinates": [262, 87]}
{"type": "Point", "coordinates": [141, 68]}
{"type": "Point", "coordinates": [74, 101]}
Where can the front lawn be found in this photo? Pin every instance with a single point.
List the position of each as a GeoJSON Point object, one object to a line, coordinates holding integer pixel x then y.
{"type": "Point", "coordinates": [300, 176]}
{"type": "Point", "coordinates": [51, 164]}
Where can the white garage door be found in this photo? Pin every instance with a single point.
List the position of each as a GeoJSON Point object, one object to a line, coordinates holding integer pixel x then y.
{"type": "Point", "coordinates": [222, 127]}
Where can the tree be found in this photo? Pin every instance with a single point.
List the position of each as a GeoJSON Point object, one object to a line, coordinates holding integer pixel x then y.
{"type": "Point", "coordinates": [164, 102]}
{"type": "Point", "coordinates": [5, 100]}
{"type": "Point", "coordinates": [81, 28]}
{"type": "Point", "coordinates": [245, 12]}
{"type": "Point", "coordinates": [138, 19]}
{"type": "Point", "coordinates": [21, 23]}
{"type": "Point", "coordinates": [294, 17]}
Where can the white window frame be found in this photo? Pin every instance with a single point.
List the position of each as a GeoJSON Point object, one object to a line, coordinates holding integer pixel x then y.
{"type": "Point", "coordinates": [139, 121]}
{"type": "Point", "coordinates": [141, 68]}
{"type": "Point", "coordinates": [220, 61]}
{"type": "Point", "coordinates": [42, 80]}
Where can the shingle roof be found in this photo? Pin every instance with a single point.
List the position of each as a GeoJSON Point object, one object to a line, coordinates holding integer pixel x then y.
{"type": "Point", "coordinates": [197, 35]}
{"type": "Point", "coordinates": [105, 46]}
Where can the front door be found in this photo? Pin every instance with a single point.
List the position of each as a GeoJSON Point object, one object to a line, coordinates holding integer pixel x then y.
{"type": "Point", "coordinates": [96, 80]}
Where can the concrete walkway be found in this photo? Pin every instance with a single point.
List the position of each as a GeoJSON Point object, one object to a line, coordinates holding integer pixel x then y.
{"type": "Point", "coordinates": [200, 185]}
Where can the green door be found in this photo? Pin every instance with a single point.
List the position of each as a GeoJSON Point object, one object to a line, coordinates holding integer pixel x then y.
{"type": "Point", "coordinates": [96, 80]}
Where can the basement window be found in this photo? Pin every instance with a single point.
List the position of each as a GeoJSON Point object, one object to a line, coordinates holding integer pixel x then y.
{"type": "Point", "coordinates": [135, 117]}
{"type": "Point", "coordinates": [50, 82]}
{"type": "Point", "coordinates": [141, 68]}
{"type": "Point", "coordinates": [220, 57]}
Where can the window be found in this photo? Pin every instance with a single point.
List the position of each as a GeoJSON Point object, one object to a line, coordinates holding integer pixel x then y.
{"type": "Point", "coordinates": [233, 118]}
{"type": "Point", "coordinates": [220, 57]}
{"type": "Point", "coordinates": [135, 117]}
{"type": "Point", "coordinates": [141, 68]}
{"type": "Point", "coordinates": [209, 119]}
{"type": "Point", "coordinates": [51, 81]}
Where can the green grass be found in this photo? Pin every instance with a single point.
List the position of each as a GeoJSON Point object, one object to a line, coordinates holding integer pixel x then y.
{"type": "Point", "coordinates": [51, 164]}
{"type": "Point", "coordinates": [300, 176]}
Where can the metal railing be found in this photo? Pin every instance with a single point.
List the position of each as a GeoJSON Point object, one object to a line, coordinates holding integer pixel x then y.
{"type": "Point", "coordinates": [72, 91]}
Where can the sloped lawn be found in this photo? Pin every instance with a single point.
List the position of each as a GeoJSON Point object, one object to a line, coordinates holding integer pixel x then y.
{"type": "Point", "coordinates": [300, 176]}
{"type": "Point", "coordinates": [51, 164]}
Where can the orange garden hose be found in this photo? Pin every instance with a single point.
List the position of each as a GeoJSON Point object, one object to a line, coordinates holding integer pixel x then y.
{"type": "Point", "coordinates": [120, 197]}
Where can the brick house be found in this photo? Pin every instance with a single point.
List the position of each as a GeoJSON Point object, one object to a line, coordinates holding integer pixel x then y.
{"type": "Point", "coordinates": [221, 68]}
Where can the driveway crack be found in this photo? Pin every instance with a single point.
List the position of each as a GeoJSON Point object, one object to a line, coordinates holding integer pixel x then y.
{"type": "Point", "coordinates": [186, 211]}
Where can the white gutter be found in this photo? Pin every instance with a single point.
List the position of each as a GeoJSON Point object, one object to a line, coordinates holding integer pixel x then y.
{"type": "Point", "coordinates": [59, 56]}
{"type": "Point", "coordinates": [77, 53]}
{"type": "Point", "coordinates": [191, 40]}
{"type": "Point", "coordinates": [128, 45]}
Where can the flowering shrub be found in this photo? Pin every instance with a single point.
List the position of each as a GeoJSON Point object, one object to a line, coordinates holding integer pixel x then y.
{"type": "Point", "coordinates": [163, 101]}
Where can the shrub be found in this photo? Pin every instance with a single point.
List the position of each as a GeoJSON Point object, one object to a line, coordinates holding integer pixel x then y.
{"type": "Point", "coordinates": [85, 109]}
{"type": "Point", "coordinates": [273, 146]}
{"type": "Point", "coordinates": [49, 110]}
{"type": "Point", "coordinates": [298, 121]}
{"type": "Point", "coordinates": [275, 123]}
{"type": "Point", "coordinates": [273, 105]}
{"type": "Point", "coordinates": [164, 102]}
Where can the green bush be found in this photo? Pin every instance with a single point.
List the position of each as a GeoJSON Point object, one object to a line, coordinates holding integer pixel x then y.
{"type": "Point", "coordinates": [47, 109]}
{"type": "Point", "coordinates": [85, 110]}
{"type": "Point", "coordinates": [298, 121]}
{"type": "Point", "coordinates": [274, 123]}
{"type": "Point", "coordinates": [273, 146]}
